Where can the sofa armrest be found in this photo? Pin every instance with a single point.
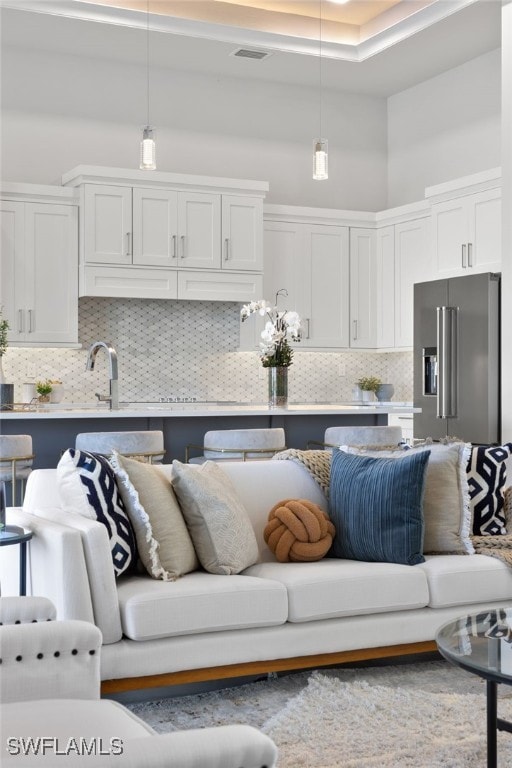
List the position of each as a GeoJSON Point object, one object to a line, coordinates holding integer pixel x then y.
{"type": "Point", "coordinates": [26, 610]}
{"type": "Point", "coordinates": [50, 659]}
{"type": "Point", "coordinates": [55, 569]}
{"type": "Point", "coordinates": [227, 746]}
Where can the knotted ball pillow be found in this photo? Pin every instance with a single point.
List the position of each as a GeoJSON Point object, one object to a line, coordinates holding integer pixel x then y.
{"type": "Point", "coordinates": [298, 530]}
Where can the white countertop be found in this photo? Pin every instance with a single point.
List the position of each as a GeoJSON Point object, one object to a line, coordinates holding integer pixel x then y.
{"type": "Point", "coordinates": [196, 409]}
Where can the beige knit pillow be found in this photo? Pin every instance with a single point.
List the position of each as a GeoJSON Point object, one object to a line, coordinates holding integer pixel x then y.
{"type": "Point", "coordinates": [163, 541]}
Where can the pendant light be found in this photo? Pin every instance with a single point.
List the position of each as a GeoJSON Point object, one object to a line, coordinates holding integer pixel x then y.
{"type": "Point", "coordinates": [320, 155]}
{"type": "Point", "coordinates": [147, 145]}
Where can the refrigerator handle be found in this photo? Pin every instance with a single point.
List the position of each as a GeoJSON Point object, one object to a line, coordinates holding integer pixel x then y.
{"type": "Point", "coordinates": [447, 359]}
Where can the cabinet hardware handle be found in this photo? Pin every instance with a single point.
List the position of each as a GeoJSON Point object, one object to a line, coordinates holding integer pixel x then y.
{"type": "Point", "coordinates": [20, 321]}
{"type": "Point", "coordinates": [308, 334]}
{"type": "Point", "coordinates": [470, 254]}
{"type": "Point", "coordinates": [128, 248]}
{"type": "Point", "coordinates": [226, 249]}
{"type": "Point", "coordinates": [464, 255]}
{"type": "Point", "coordinates": [173, 254]}
{"type": "Point", "coordinates": [182, 238]}
{"type": "Point", "coordinates": [354, 324]}
{"type": "Point", "coordinates": [30, 321]}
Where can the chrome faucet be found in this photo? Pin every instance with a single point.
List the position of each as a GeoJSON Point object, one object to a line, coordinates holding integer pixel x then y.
{"type": "Point", "coordinates": [113, 398]}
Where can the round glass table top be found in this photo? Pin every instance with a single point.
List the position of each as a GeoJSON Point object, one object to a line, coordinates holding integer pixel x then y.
{"type": "Point", "coordinates": [481, 643]}
{"type": "Point", "coordinates": [13, 534]}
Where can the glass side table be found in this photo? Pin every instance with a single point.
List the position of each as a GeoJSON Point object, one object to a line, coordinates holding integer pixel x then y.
{"type": "Point", "coordinates": [481, 643]}
{"type": "Point", "coordinates": [13, 534]}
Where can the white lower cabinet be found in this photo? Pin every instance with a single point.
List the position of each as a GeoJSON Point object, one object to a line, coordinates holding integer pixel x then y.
{"type": "Point", "coordinates": [39, 272]}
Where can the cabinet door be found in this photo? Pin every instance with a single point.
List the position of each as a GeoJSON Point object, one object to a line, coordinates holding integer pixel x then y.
{"type": "Point", "coordinates": [242, 230]}
{"type": "Point", "coordinates": [484, 236]}
{"type": "Point", "coordinates": [412, 248]}
{"type": "Point", "coordinates": [155, 227]}
{"type": "Point", "coordinates": [199, 230]}
{"type": "Point", "coordinates": [324, 279]}
{"type": "Point", "coordinates": [51, 283]}
{"type": "Point", "coordinates": [449, 237]}
{"type": "Point", "coordinates": [12, 268]}
{"type": "Point", "coordinates": [385, 264]}
{"type": "Point", "coordinates": [107, 224]}
{"type": "Point", "coordinates": [363, 288]}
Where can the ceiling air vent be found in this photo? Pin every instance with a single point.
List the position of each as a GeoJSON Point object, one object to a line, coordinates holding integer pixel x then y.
{"type": "Point", "coordinates": [250, 53]}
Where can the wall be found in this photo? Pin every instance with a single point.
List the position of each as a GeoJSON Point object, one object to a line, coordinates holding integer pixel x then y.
{"type": "Point", "coordinates": [190, 349]}
{"type": "Point", "coordinates": [59, 111]}
{"type": "Point", "coordinates": [444, 128]}
{"type": "Point", "coordinates": [506, 322]}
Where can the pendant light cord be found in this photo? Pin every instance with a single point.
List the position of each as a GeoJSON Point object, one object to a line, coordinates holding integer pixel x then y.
{"type": "Point", "coordinates": [147, 59]}
{"type": "Point", "coordinates": [320, 60]}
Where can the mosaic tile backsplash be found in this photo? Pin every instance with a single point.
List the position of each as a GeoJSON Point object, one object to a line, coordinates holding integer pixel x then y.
{"type": "Point", "coordinates": [178, 349]}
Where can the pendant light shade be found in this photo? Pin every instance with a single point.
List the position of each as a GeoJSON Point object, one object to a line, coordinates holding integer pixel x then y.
{"type": "Point", "coordinates": [148, 149]}
{"type": "Point", "coordinates": [147, 145]}
{"type": "Point", "coordinates": [320, 160]}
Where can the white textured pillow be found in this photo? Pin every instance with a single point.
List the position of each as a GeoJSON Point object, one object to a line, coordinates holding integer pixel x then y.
{"type": "Point", "coordinates": [216, 518]}
{"type": "Point", "coordinates": [163, 542]}
{"type": "Point", "coordinates": [446, 504]}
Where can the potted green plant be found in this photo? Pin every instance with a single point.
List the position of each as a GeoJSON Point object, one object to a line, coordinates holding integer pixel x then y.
{"type": "Point", "coordinates": [368, 386]}
{"type": "Point", "coordinates": [43, 389]}
{"type": "Point", "coordinates": [6, 390]}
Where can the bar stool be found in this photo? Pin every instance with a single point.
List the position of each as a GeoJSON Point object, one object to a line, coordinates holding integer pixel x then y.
{"type": "Point", "coordinates": [238, 445]}
{"type": "Point", "coordinates": [146, 445]}
{"type": "Point", "coordinates": [15, 462]}
{"type": "Point", "coordinates": [336, 436]}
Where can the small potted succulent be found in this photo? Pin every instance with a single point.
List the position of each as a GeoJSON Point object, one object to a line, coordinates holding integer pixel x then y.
{"type": "Point", "coordinates": [368, 386]}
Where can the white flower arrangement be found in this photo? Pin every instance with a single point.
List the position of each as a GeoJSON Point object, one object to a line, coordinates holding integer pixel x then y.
{"type": "Point", "coordinates": [280, 328]}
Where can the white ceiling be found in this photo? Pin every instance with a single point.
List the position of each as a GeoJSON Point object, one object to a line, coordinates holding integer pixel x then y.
{"type": "Point", "coordinates": [53, 25]}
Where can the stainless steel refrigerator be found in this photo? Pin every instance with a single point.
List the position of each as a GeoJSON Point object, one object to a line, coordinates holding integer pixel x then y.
{"type": "Point", "coordinates": [456, 358]}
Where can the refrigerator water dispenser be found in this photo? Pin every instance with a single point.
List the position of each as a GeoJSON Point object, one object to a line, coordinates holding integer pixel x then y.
{"type": "Point", "coordinates": [430, 371]}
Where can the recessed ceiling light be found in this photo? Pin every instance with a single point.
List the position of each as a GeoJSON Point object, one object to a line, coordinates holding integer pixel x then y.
{"type": "Point", "coordinates": [339, 2]}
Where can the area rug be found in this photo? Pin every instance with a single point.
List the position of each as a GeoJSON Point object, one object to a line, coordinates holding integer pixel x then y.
{"type": "Point", "coordinates": [426, 715]}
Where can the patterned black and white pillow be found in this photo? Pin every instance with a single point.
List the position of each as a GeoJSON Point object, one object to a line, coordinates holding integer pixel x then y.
{"type": "Point", "coordinates": [87, 486]}
{"type": "Point", "coordinates": [487, 475]}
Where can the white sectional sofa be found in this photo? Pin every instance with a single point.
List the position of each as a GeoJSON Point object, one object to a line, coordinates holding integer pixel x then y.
{"type": "Point", "coordinates": [273, 616]}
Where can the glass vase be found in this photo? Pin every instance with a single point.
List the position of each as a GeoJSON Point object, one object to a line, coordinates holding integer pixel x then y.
{"type": "Point", "coordinates": [278, 387]}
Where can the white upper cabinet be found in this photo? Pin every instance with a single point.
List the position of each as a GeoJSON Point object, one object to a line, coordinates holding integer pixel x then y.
{"type": "Point", "coordinates": [39, 272]}
{"type": "Point", "coordinates": [412, 265]}
{"type": "Point", "coordinates": [242, 233]}
{"type": "Point", "coordinates": [363, 288]}
{"type": "Point", "coordinates": [385, 269]}
{"type": "Point", "coordinates": [466, 228]}
{"type": "Point", "coordinates": [155, 227]}
{"type": "Point", "coordinates": [199, 230]}
{"type": "Point", "coordinates": [135, 221]}
{"type": "Point", "coordinates": [310, 261]}
{"type": "Point", "coordinates": [107, 224]}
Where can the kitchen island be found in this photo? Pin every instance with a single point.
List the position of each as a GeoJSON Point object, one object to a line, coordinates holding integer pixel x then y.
{"type": "Point", "coordinates": [54, 427]}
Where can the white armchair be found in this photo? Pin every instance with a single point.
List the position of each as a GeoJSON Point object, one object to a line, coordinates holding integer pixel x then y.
{"type": "Point", "coordinates": [49, 690]}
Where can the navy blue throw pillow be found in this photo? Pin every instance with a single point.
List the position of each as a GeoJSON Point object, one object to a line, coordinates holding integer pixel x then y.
{"type": "Point", "coordinates": [376, 507]}
{"type": "Point", "coordinates": [87, 486]}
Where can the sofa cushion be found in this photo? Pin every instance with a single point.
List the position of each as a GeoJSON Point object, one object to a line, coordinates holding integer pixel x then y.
{"type": "Point", "coordinates": [199, 602]}
{"type": "Point", "coordinates": [216, 519]}
{"type": "Point", "coordinates": [466, 579]}
{"type": "Point", "coordinates": [487, 475]}
{"type": "Point", "coordinates": [333, 588]}
{"type": "Point", "coordinates": [163, 541]}
{"type": "Point", "coordinates": [376, 507]}
{"type": "Point", "coordinates": [87, 486]}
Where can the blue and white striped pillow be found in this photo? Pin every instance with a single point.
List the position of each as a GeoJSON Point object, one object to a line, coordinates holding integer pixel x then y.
{"type": "Point", "coordinates": [376, 507]}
